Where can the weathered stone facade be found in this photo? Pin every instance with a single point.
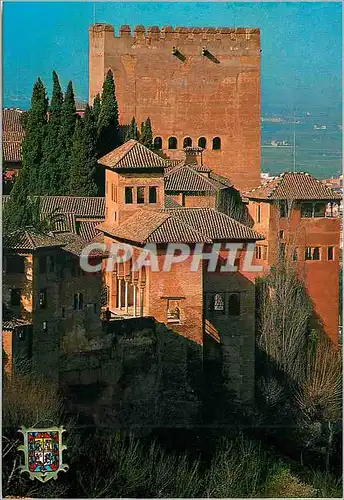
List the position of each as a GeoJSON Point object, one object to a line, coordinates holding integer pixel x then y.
{"type": "Point", "coordinates": [193, 83]}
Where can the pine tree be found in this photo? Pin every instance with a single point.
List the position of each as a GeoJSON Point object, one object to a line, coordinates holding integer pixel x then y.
{"type": "Point", "coordinates": [50, 167]}
{"type": "Point", "coordinates": [132, 132]}
{"type": "Point", "coordinates": [96, 108]}
{"type": "Point", "coordinates": [35, 130]}
{"type": "Point", "coordinates": [108, 126]}
{"type": "Point", "coordinates": [68, 119]}
{"type": "Point", "coordinates": [83, 157]}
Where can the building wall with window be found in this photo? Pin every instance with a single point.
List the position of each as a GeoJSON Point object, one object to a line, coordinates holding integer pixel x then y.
{"type": "Point", "coordinates": [125, 192]}
{"type": "Point", "coordinates": [47, 281]}
{"type": "Point", "coordinates": [229, 326]}
{"type": "Point", "coordinates": [313, 241]}
{"type": "Point", "coordinates": [192, 83]}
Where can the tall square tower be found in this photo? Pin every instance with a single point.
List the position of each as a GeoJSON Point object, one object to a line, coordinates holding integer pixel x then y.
{"type": "Point", "coordinates": [199, 86]}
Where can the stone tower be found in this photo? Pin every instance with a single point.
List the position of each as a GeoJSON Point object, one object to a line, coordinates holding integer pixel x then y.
{"type": "Point", "coordinates": [199, 86]}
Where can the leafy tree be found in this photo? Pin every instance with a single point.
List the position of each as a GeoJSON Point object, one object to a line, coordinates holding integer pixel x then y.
{"type": "Point", "coordinates": [108, 126]}
{"type": "Point", "coordinates": [83, 157]}
{"type": "Point", "coordinates": [132, 132]}
{"type": "Point", "coordinates": [50, 166]}
{"type": "Point", "coordinates": [32, 145]}
{"type": "Point", "coordinates": [96, 107]}
{"type": "Point", "coordinates": [68, 119]}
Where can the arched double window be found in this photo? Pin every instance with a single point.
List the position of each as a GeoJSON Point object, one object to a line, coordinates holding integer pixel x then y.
{"type": "Point", "coordinates": [218, 303]}
{"type": "Point", "coordinates": [216, 143]}
{"type": "Point", "coordinates": [172, 143]}
{"type": "Point", "coordinates": [157, 143]}
{"type": "Point", "coordinates": [202, 142]}
{"type": "Point", "coordinates": [187, 142]}
{"type": "Point", "coordinates": [234, 304]}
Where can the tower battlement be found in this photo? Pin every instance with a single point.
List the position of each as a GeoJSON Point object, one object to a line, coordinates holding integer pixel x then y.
{"type": "Point", "coordinates": [183, 33]}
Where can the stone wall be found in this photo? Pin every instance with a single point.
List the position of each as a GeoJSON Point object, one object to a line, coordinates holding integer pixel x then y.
{"type": "Point", "coordinates": [191, 82]}
{"type": "Point", "coordinates": [136, 377]}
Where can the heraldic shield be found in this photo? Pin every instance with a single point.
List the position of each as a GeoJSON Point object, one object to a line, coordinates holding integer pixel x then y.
{"type": "Point", "coordinates": [42, 452]}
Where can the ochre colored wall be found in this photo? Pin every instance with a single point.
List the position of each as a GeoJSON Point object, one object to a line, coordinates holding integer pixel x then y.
{"type": "Point", "coordinates": [322, 276]}
{"type": "Point", "coordinates": [118, 205]}
{"type": "Point", "coordinates": [193, 95]}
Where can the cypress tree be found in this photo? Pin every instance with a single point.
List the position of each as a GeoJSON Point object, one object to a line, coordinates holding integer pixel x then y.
{"type": "Point", "coordinates": [35, 130]}
{"type": "Point", "coordinates": [68, 119]}
{"type": "Point", "coordinates": [96, 108]}
{"type": "Point", "coordinates": [148, 134]}
{"type": "Point", "coordinates": [83, 157]}
{"type": "Point", "coordinates": [50, 167]}
{"type": "Point", "coordinates": [132, 132]}
{"type": "Point", "coordinates": [108, 126]}
{"type": "Point", "coordinates": [16, 212]}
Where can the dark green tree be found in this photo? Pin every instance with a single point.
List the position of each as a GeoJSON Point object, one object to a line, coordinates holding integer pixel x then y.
{"type": "Point", "coordinates": [83, 157]}
{"type": "Point", "coordinates": [96, 108]}
{"type": "Point", "coordinates": [50, 165]}
{"type": "Point", "coordinates": [68, 119]}
{"type": "Point", "coordinates": [107, 125]}
{"type": "Point", "coordinates": [132, 132]}
{"type": "Point", "coordinates": [146, 137]}
{"type": "Point", "coordinates": [35, 130]}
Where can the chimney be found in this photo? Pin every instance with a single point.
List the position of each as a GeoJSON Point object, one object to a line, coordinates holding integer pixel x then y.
{"type": "Point", "coordinates": [193, 155]}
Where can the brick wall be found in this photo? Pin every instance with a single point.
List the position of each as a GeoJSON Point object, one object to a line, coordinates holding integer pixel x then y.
{"type": "Point", "coordinates": [190, 94]}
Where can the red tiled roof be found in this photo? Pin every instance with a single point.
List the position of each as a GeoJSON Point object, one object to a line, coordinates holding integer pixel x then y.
{"type": "Point", "coordinates": [87, 229]}
{"type": "Point", "coordinates": [183, 225]}
{"type": "Point", "coordinates": [185, 178]}
{"type": "Point", "coordinates": [29, 240]}
{"type": "Point", "coordinates": [293, 186]}
{"type": "Point", "coordinates": [80, 206]}
{"type": "Point", "coordinates": [12, 135]}
{"type": "Point", "coordinates": [148, 226]}
{"type": "Point", "coordinates": [132, 155]}
{"type": "Point", "coordinates": [13, 323]}
{"type": "Point", "coordinates": [216, 225]}
{"type": "Point", "coordinates": [11, 120]}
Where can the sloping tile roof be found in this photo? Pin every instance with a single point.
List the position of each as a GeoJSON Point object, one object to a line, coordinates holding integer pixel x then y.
{"type": "Point", "coordinates": [293, 186]}
{"type": "Point", "coordinates": [13, 323]}
{"type": "Point", "coordinates": [87, 229]}
{"type": "Point", "coordinates": [148, 226]}
{"type": "Point", "coordinates": [29, 240]}
{"type": "Point", "coordinates": [184, 178]}
{"type": "Point", "coordinates": [170, 202]}
{"type": "Point", "coordinates": [11, 120]}
{"type": "Point", "coordinates": [80, 206]}
{"type": "Point", "coordinates": [183, 225]}
{"type": "Point", "coordinates": [132, 155]}
{"type": "Point", "coordinates": [216, 225]}
{"type": "Point", "coordinates": [12, 135]}
{"type": "Point", "coordinates": [74, 244]}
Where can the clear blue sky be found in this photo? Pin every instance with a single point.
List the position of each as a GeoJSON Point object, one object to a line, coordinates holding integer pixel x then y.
{"type": "Point", "coordinates": [301, 43]}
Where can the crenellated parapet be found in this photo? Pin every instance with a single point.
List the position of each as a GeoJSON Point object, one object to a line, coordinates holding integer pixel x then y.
{"type": "Point", "coordinates": [154, 33]}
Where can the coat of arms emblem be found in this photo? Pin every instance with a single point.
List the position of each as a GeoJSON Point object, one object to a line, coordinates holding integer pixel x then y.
{"type": "Point", "coordinates": [43, 452]}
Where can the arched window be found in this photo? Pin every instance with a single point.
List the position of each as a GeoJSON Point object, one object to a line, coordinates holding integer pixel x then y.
{"type": "Point", "coordinates": [172, 143]}
{"type": "Point", "coordinates": [234, 304]}
{"type": "Point", "coordinates": [187, 143]}
{"type": "Point", "coordinates": [216, 143]}
{"type": "Point", "coordinates": [157, 143]}
{"type": "Point", "coordinates": [218, 303]}
{"type": "Point", "coordinates": [202, 142]}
